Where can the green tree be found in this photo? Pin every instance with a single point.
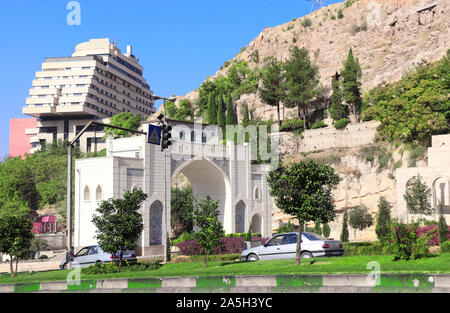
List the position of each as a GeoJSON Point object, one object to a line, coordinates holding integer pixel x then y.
{"type": "Point", "coordinates": [286, 228]}
{"type": "Point", "coordinates": [326, 230]}
{"type": "Point", "coordinates": [271, 90]}
{"type": "Point", "coordinates": [185, 111]}
{"type": "Point", "coordinates": [15, 239]}
{"type": "Point", "coordinates": [245, 115]}
{"type": "Point", "coordinates": [344, 232]}
{"type": "Point", "coordinates": [124, 119]}
{"type": "Point", "coordinates": [317, 229]}
{"type": "Point", "coordinates": [206, 218]}
{"type": "Point", "coordinates": [212, 109]}
{"type": "Point", "coordinates": [220, 111]}
{"type": "Point", "coordinates": [338, 110]}
{"type": "Point", "coordinates": [182, 204]}
{"type": "Point", "coordinates": [417, 197]}
{"type": "Point", "coordinates": [304, 190]}
{"type": "Point", "coordinates": [351, 75]}
{"type": "Point", "coordinates": [231, 114]}
{"type": "Point", "coordinates": [119, 223]}
{"type": "Point", "coordinates": [442, 226]}
{"type": "Point", "coordinates": [171, 110]}
{"type": "Point", "coordinates": [383, 224]}
{"type": "Point", "coordinates": [414, 108]}
{"type": "Point", "coordinates": [360, 218]}
{"type": "Point", "coordinates": [302, 83]}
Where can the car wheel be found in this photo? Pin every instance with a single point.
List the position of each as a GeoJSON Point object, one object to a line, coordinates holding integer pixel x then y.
{"type": "Point", "coordinates": [306, 255]}
{"type": "Point", "coordinates": [252, 257]}
{"type": "Point", "coordinates": [99, 262]}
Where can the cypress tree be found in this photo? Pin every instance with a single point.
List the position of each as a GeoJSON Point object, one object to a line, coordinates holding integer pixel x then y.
{"type": "Point", "coordinates": [351, 84]}
{"type": "Point", "coordinates": [245, 115]}
{"type": "Point", "coordinates": [337, 110]}
{"type": "Point", "coordinates": [344, 233]}
{"type": "Point", "coordinates": [212, 117]}
{"type": "Point", "coordinates": [317, 228]}
{"type": "Point", "coordinates": [230, 111]}
{"type": "Point", "coordinates": [383, 225]}
{"type": "Point", "coordinates": [220, 111]}
{"type": "Point", "coordinates": [442, 226]}
{"type": "Point", "coordinates": [326, 230]}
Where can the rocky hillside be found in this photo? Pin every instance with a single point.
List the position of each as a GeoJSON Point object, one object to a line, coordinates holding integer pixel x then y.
{"type": "Point", "coordinates": [388, 37]}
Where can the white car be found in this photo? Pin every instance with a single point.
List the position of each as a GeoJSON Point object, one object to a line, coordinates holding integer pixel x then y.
{"type": "Point", "coordinates": [94, 254]}
{"type": "Point", "coordinates": [283, 246]}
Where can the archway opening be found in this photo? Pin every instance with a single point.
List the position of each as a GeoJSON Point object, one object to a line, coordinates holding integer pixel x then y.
{"type": "Point", "coordinates": [256, 224]}
{"type": "Point", "coordinates": [195, 180]}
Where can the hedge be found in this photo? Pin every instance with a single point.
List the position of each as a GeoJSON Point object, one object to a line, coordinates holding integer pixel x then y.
{"type": "Point", "coordinates": [365, 248]}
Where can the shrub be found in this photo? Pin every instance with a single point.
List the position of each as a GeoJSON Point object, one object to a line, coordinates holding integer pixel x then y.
{"type": "Point", "coordinates": [445, 247]}
{"type": "Point", "coordinates": [113, 267]}
{"type": "Point", "coordinates": [340, 14]}
{"type": "Point", "coordinates": [306, 22]}
{"type": "Point", "coordinates": [184, 237]}
{"type": "Point", "coordinates": [430, 231]}
{"type": "Point", "coordinates": [291, 124]}
{"type": "Point", "coordinates": [211, 258]}
{"type": "Point", "coordinates": [341, 124]}
{"type": "Point", "coordinates": [227, 245]}
{"type": "Point", "coordinates": [320, 124]}
{"type": "Point", "coordinates": [406, 244]}
{"type": "Point", "coordinates": [43, 257]}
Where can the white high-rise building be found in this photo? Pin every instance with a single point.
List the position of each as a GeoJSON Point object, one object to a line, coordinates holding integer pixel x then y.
{"type": "Point", "coordinates": [95, 83]}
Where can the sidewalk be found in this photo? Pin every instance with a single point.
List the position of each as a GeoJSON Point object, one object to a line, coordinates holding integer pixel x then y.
{"type": "Point", "coordinates": [355, 283]}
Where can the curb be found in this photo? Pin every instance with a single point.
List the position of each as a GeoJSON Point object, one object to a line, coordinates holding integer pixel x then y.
{"type": "Point", "coordinates": [255, 283]}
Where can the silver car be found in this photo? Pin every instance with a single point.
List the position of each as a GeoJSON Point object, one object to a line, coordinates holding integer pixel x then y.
{"type": "Point", "coordinates": [94, 254]}
{"type": "Point", "coordinates": [283, 246]}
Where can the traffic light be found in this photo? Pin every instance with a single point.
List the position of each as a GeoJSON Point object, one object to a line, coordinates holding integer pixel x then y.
{"type": "Point", "coordinates": [166, 135]}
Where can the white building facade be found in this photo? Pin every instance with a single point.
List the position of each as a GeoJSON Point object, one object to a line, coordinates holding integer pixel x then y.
{"type": "Point", "coordinates": [223, 172]}
{"type": "Point", "coordinates": [96, 82]}
{"type": "Point", "coordinates": [436, 175]}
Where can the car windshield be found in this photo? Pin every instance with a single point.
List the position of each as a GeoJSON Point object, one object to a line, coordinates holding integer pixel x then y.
{"type": "Point", "coordinates": [313, 236]}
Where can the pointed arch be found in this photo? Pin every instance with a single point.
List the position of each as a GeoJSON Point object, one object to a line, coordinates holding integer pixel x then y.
{"type": "Point", "coordinates": [257, 193]}
{"type": "Point", "coordinates": [87, 195]}
{"type": "Point", "coordinates": [98, 193]}
{"type": "Point", "coordinates": [156, 222]}
{"type": "Point", "coordinates": [239, 217]}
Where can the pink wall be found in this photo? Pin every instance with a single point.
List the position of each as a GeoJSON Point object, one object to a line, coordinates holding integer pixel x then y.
{"type": "Point", "coordinates": [19, 143]}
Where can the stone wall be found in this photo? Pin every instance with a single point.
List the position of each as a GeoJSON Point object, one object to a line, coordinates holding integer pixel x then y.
{"type": "Point", "coordinates": [53, 241]}
{"type": "Point", "coordinates": [354, 135]}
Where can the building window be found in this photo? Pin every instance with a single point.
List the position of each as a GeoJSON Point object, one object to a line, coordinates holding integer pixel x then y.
{"type": "Point", "coordinates": [257, 194]}
{"type": "Point", "coordinates": [86, 193]}
{"type": "Point", "coordinates": [98, 193]}
{"type": "Point", "coordinates": [193, 136]}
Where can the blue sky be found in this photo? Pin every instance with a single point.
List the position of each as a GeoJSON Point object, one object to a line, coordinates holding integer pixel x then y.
{"type": "Point", "coordinates": [178, 42]}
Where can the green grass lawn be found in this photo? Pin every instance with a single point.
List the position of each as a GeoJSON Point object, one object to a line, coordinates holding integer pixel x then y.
{"type": "Point", "coordinates": [337, 265]}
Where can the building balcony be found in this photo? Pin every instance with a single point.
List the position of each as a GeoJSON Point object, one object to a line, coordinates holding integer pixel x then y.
{"type": "Point", "coordinates": [39, 110]}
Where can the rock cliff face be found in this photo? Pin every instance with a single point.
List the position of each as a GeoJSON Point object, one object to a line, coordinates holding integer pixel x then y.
{"type": "Point", "coordinates": [388, 37]}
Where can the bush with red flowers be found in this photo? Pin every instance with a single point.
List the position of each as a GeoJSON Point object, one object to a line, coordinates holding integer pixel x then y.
{"type": "Point", "coordinates": [432, 232]}
{"type": "Point", "coordinates": [228, 245]}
